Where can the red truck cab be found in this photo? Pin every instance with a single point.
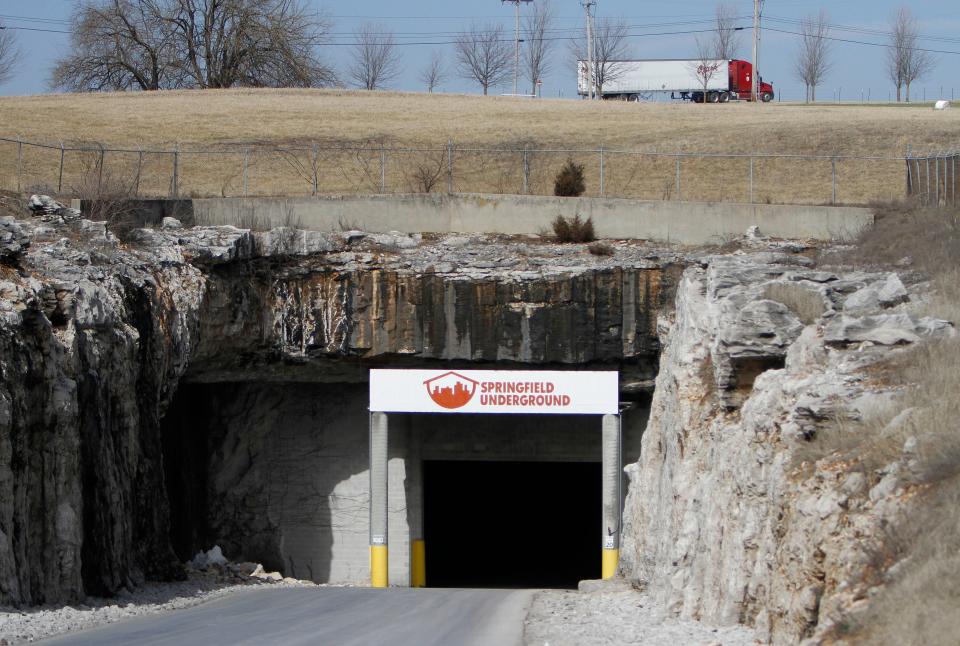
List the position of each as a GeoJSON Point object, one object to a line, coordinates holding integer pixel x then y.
{"type": "Point", "coordinates": [741, 82]}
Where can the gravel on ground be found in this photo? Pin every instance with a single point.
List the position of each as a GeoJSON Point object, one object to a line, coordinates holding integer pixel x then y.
{"type": "Point", "coordinates": [24, 625]}
{"type": "Point", "coordinates": [611, 615]}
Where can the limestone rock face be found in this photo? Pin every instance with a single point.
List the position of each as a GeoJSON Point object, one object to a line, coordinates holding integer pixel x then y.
{"type": "Point", "coordinates": [13, 240]}
{"type": "Point", "coordinates": [96, 335]}
{"type": "Point", "coordinates": [724, 519]}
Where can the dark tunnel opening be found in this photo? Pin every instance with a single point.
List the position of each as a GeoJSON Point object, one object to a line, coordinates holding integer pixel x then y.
{"type": "Point", "coordinates": [186, 449]}
{"type": "Point", "coordinates": [511, 524]}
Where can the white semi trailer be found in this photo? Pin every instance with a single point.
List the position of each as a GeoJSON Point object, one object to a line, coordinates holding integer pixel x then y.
{"type": "Point", "coordinates": [684, 79]}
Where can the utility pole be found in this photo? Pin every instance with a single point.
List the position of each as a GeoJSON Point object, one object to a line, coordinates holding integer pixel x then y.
{"type": "Point", "coordinates": [755, 80]}
{"type": "Point", "coordinates": [518, 40]}
{"type": "Point", "coordinates": [591, 72]}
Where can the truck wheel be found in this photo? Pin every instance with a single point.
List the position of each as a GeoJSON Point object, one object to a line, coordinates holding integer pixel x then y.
{"type": "Point", "coordinates": [766, 97]}
{"type": "Point", "coordinates": [698, 97]}
{"type": "Point", "coordinates": [713, 97]}
{"type": "Point", "coordinates": [633, 98]}
{"type": "Point", "coordinates": [724, 97]}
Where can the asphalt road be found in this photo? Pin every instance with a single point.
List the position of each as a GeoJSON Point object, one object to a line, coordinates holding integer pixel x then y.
{"type": "Point", "coordinates": [341, 616]}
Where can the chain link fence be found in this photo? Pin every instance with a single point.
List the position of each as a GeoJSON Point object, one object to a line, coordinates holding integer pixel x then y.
{"type": "Point", "coordinates": [324, 168]}
{"type": "Point", "coordinates": [932, 178]}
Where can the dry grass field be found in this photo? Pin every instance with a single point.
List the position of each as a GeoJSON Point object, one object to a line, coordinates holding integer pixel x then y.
{"type": "Point", "coordinates": [222, 124]}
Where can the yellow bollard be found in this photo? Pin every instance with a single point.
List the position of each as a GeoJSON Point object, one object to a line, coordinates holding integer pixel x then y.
{"type": "Point", "coordinates": [418, 564]}
{"type": "Point", "coordinates": [378, 566]}
{"type": "Point", "coordinates": [608, 567]}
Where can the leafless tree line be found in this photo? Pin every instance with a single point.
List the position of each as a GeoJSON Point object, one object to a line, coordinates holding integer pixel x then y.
{"type": "Point", "coordinates": [609, 44]}
{"type": "Point", "coordinates": [161, 44]}
{"type": "Point", "coordinates": [158, 44]}
{"type": "Point", "coordinates": [376, 60]}
{"type": "Point", "coordinates": [813, 57]}
{"type": "Point", "coordinates": [727, 38]}
{"type": "Point", "coordinates": [906, 62]}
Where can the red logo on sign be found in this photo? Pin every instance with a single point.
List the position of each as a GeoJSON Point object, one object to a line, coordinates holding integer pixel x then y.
{"type": "Point", "coordinates": [451, 390]}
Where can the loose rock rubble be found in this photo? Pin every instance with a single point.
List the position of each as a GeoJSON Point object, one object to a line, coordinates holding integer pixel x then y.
{"type": "Point", "coordinates": [616, 615]}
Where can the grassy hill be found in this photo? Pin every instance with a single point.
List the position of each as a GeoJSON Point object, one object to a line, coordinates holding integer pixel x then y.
{"type": "Point", "coordinates": [263, 119]}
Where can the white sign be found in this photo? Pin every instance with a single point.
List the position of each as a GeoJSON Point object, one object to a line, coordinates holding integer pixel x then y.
{"type": "Point", "coordinates": [495, 391]}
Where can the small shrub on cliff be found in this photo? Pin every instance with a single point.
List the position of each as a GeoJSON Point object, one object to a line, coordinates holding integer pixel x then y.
{"type": "Point", "coordinates": [569, 181]}
{"type": "Point", "coordinates": [573, 230]}
{"type": "Point", "coordinates": [601, 249]}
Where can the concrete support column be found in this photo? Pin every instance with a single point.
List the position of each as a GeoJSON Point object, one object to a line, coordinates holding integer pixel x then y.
{"type": "Point", "coordinates": [612, 473]}
{"type": "Point", "coordinates": [378, 500]}
{"type": "Point", "coordinates": [418, 564]}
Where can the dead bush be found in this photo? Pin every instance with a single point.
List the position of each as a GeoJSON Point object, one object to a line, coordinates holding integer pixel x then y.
{"type": "Point", "coordinates": [805, 302]}
{"type": "Point", "coordinates": [424, 173]}
{"type": "Point", "coordinates": [108, 196]}
{"type": "Point", "coordinates": [907, 235]}
{"type": "Point", "coordinates": [919, 603]}
{"type": "Point", "coordinates": [600, 249]}
{"type": "Point", "coordinates": [569, 181]}
{"type": "Point", "coordinates": [573, 230]}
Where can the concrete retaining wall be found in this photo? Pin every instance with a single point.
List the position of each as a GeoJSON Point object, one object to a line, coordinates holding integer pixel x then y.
{"type": "Point", "coordinates": [689, 223]}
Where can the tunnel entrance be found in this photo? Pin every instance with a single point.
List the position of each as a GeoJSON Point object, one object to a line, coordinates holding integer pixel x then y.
{"type": "Point", "coordinates": [511, 524]}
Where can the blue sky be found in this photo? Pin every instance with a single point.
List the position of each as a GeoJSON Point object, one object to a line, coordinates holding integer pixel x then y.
{"type": "Point", "coordinates": [858, 69]}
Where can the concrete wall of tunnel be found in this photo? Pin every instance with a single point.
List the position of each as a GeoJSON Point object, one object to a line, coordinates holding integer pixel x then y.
{"type": "Point", "coordinates": [287, 482]}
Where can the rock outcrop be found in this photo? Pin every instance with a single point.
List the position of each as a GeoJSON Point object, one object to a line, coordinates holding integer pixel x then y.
{"type": "Point", "coordinates": [731, 516]}
{"type": "Point", "coordinates": [95, 336]}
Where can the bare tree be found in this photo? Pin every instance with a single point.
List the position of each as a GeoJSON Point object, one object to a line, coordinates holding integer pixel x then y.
{"type": "Point", "coordinates": [434, 73]}
{"type": "Point", "coordinates": [705, 67]}
{"type": "Point", "coordinates": [376, 60]}
{"type": "Point", "coordinates": [118, 45]}
{"type": "Point", "coordinates": [609, 45]}
{"type": "Point", "coordinates": [484, 56]}
{"type": "Point", "coordinates": [906, 63]}
{"type": "Point", "coordinates": [917, 63]}
{"type": "Point", "coordinates": [154, 44]}
{"type": "Point", "coordinates": [813, 56]}
{"type": "Point", "coordinates": [9, 54]}
{"type": "Point", "coordinates": [536, 57]}
{"type": "Point", "coordinates": [726, 38]}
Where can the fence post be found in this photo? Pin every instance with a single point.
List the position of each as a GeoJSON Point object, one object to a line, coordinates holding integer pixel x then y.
{"type": "Point", "coordinates": [678, 176]}
{"type": "Point", "coordinates": [927, 195]}
{"type": "Point", "coordinates": [910, 180]}
{"type": "Point", "coordinates": [314, 162]}
{"type": "Point", "coordinates": [602, 185]}
{"type": "Point", "coordinates": [100, 170]}
{"type": "Point", "coordinates": [136, 185]}
{"type": "Point", "coordinates": [60, 181]}
{"type": "Point", "coordinates": [19, 162]}
{"type": "Point", "coordinates": [246, 163]}
{"type": "Point", "coordinates": [751, 180]}
{"type": "Point", "coordinates": [909, 177]}
{"type": "Point", "coordinates": [450, 166]}
{"type": "Point", "coordinates": [953, 189]}
{"type": "Point", "coordinates": [175, 188]}
{"type": "Point", "coordinates": [833, 170]}
{"type": "Point", "coordinates": [936, 181]}
{"type": "Point", "coordinates": [383, 169]}
{"type": "Point", "coordinates": [916, 165]}
{"type": "Point", "coordinates": [526, 171]}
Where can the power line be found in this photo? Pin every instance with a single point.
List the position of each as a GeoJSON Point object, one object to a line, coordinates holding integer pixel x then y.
{"type": "Point", "coordinates": [863, 42]}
